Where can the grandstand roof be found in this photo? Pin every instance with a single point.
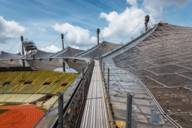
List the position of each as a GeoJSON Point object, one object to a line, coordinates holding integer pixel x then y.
{"type": "Point", "coordinates": [162, 60]}
{"type": "Point", "coordinates": [42, 54]}
{"type": "Point", "coordinates": [7, 55]}
{"type": "Point", "coordinates": [100, 49]}
{"type": "Point", "coordinates": [164, 53]}
{"type": "Point", "coordinates": [67, 52]}
{"type": "Point", "coordinates": [7, 59]}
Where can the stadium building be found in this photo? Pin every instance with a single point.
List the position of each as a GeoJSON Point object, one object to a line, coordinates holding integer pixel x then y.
{"type": "Point", "coordinates": [145, 83]}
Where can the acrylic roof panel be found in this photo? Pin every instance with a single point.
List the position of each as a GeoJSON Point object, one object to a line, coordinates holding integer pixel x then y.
{"type": "Point", "coordinates": [145, 112]}
{"type": "Point", "coordinates": [7, 55]}
{"type": "Point", "coordinates": [99, 50]}
{"type": "Point", "coordinates": [7, 59]}
{"type": "Point", "coordinates": [163, 61]}
{"type": "Point", "coordinates": [42, 54]}
{"type": "Point", "coordinates": [68, 52]}
{"type": "Point", "coordinates": [166, 48]}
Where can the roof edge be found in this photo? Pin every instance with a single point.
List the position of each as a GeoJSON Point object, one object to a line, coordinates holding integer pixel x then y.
{"type": "Point", "coordinates": [144, 35]}
{"type": "Point", "coordinates": [94, 47]}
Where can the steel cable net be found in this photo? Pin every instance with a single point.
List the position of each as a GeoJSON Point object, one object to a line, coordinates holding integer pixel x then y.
{"type": "Point", "coordinates": [161, 60]}
{"type": "Point", "coordinates": [145, 111]}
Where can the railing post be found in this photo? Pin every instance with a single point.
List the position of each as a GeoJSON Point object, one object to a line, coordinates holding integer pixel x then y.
{"type": "Point", "coordinates": [108, 79]}
{"type": "Point", "coordinates": [100, 60]}
{"type": "Point", "coordinates": [63, 65]}
{"type": "Point", "coordinates": [60, 110]}
{"type": "Point", "coordinates": [103, 65]}
{"type": "Point", "coordinates": [22, 48]}
{"type": "Point", "coordinates": [84, 79]}
{"type": "Point", "coordinates": [129, 111]}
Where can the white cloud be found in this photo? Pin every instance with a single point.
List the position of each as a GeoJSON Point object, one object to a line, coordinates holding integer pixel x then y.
{"type": "Point", "coordinates": [9, 29]}
{"type": "Point", "coordinates": [132, 2]}
{"type": "Point", "coordinates": [156, 7]}
{"type": "Point", "coordinates": [75, 36]}
{"type": "Point", "coordinates": [51, 48]}
{"type": "Point", "coordinates": [122, 26]}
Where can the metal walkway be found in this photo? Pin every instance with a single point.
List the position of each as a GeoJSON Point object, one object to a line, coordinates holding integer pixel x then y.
{"type": "Point", "coordinates": [95, 112]}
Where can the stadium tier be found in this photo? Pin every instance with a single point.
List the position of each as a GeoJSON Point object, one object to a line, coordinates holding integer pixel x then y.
{"type": "Point", "coordinates": [35, 81]}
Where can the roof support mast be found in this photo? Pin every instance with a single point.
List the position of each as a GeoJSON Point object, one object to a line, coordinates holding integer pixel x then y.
{"type": "Point", "coordinates": [98, 32]}
{"type": "Point", "coordinates": [22, 48]}
{"type": "Point", "coordinates": [62, 39]}
{"type": "Point", "coordinates": [60, 110]}
{"type": "Point", "coordinates": [147, 18]}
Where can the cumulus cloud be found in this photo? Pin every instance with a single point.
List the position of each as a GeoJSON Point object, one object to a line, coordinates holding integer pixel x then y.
{"type": "Point", "coordinates": [51, 48]}
{"type": "Point", "coordinates": [122, 26]}
{"type": "Point", "coordinates": [156, 7]}
{"type": "Point", "coordinates": [74, 35]}
{"type": "Point", "coordinates": [132, 2]}
{"type": "Point", "coordinates": [9, 30]}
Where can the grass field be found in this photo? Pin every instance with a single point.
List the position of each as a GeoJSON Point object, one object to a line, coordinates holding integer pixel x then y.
{"type": "Point", "coordinates": [35, 81]}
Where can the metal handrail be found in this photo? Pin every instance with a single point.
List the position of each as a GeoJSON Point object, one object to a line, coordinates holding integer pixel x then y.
{"type": "Point", "coordinates": [107, 97]}
{"type": "Point", "coordinates": [76, 100]}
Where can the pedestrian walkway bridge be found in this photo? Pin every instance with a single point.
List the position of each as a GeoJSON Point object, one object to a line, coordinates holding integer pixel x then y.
{"type": "Point", "coordinates": [95, 112]}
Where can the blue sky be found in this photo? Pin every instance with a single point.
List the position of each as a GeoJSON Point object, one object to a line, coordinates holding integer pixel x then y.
{"type": "Point", "coordinates": [43, 20]}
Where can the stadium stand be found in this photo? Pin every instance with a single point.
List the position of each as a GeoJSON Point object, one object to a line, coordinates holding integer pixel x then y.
{"type": "Point", "coordinates": [35, 81]}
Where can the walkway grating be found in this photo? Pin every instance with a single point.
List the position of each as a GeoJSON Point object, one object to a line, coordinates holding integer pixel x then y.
{"type": "Point", "coordinates": [95, 113]}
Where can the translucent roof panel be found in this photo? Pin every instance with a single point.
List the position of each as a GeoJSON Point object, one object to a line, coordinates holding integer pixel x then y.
{"type": "Point", "coordinates": [68, 52]}
{"type": "Point", "coordinates": [7, 55]}
{"type": "Point", "coordinates": [99, 50]}
{"type": "Point", "coordinates": [163, 62]}
{"type": "Point", "coordinates": [146, 112]}
{"type": "Point", "coordinates": [10, 59]}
